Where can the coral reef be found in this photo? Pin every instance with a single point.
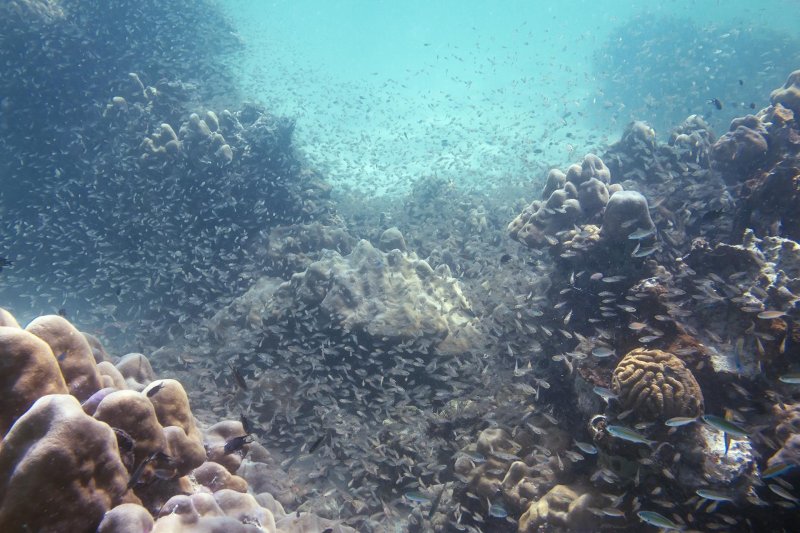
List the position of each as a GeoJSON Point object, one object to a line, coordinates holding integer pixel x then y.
{"type": "Point", "coordinates": [580, 200]}
{"type": "Point", "coordinates": [563, 506]}
{"type": "Point", "coordinates": [576, 197]}
{"type": "Point", "coordinates": [29, 371]}
{"type": "Point", "coordinates": [385, 295]}
{"type": "Point", "coordinates": [743, 149]}
{"type": "Point", "coordinates": [656, 385]}
{"type": "Point", "coordinates": [60, 469]}
{"type": "Point", "coordinates": [114, 461]}
{"type": "Point", "coordinates": [788, 95]}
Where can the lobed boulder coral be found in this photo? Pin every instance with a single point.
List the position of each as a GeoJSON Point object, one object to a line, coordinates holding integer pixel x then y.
{"type": "Point", "coordinates": [577, 202]}
{"type": "Point", "coordinates": [73, 353]}
{"type": "Point", "coordinates": [60, 469]}
{"type": "Point", "coordinates": [122, 454]}
{"type": "Point", "coordinates": [626, 213]}
{"type": "Point", "coordinates": [28, 371]}
{"type": "Point", "coordinates": [743, 149]}
{"type": "Point", "coordinates": [656, 385]}
{"type": "Point", "coordinates": [789, 95]}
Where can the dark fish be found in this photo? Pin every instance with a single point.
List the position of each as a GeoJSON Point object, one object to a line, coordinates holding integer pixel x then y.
{"type": "Point", "coordinates": [752, 105]}
{"type": "Point", "coordinates": [137, 474]}
{"type": "Point", "coordinates": [317, 443]}
{"type": "Point", "coordinates": [4, 263]}
{"type": "Point", "coordinates": [125, 442]}
{"type": "Point", "coordinates": [741, 82]}
{"type": "Point", "coordinates": [152, 392]}
{"type": "Point", "coordinates": [62, 312]}
{"type": "Point", "coordinates": [234, 444]}
{"type": "Point", "coordinates": [716, 103]}
{"type": "Point", "coordinates": [247, 425]}
{"type": "Point", "coordinates": [314, 447]}
{"type": "Point", "coordinates": [435, 504]}
{"type": "Point", "coordinates": [505, 258]}
{"type": "Point", "coordinates": [237, 377]}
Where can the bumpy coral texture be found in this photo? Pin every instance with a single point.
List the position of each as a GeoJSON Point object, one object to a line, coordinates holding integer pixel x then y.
{"type": "Point", "coordinates": [73, 353]}
{"type": "Point", "coordinates": [59, 469]}
{"type": "Point", "coordinates": [563, 506]}
{"type": "Point", "coordinates": [789, 94]}
{"type": "Point", "coordinates": [28, 370]}
{"type": "Point", "coordinates": [656, 385]}
{"type": "Point", "coordinates": [393, 295]}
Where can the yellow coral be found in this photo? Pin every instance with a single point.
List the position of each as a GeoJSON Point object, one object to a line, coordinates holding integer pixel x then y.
{"type": "Point", "coordinates": [656, 384]}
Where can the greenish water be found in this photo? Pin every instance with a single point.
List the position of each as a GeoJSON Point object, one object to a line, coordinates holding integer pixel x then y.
{"type": "Point", "coordinates": [483, 93]}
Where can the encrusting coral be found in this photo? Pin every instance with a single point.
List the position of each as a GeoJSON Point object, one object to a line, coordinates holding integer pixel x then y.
{"type": "Point", "coordinates": [656, 385]}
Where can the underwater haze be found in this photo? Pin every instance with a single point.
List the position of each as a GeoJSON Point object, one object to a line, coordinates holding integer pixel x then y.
{"type": "Point", "coordinates": [484, 93]}
{"type": "Point", "coordinates": [451, 266]}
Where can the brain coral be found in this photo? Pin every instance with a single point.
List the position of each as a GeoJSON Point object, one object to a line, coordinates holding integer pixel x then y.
{"type": "Point", "coordinates": [656, 384]}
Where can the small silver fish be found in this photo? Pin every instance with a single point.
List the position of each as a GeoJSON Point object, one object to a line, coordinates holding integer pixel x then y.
{"type": "Point", "coordinates": [656, 519]}
{"type": "Point", "coordinates": [679, 421]}
{"type": "Point", "coordinates": [628, 434]}
{"type": "Point", "coordinates": [585, 447]}
{"type": "Point", "coordinates": [714, 495]}
{"type": "Point", "coordinates": [642, 233]}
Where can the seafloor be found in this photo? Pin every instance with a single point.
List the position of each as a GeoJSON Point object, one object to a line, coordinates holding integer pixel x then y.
{"type": "Point", "coordinates": [613, 348]}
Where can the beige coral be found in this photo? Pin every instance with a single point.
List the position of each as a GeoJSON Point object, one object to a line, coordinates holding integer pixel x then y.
{"type": "Point", "coordinates": [126, 518]}
{"type": "Point", "coordinates": [133, 413]}
{"type": "Point", "coordinates": [184, 442]}
{"type": "Point", "coordinates": [215, 477]}
{"type": "Point", "coordinates": [72, 350]}
{"type": "Point", "coordinates": [136, 370]}
{"type": "Point", "coordinates": [215, 439]}
{"type": "Point", "coordinates": [656, 385]}
{"type": "Point", "coordinates": [563, 506]}
{"type": "Point", "coordinates": [789, 94]}
{"type": "Point", "coordinates": [28, 370]}
{"type": "Point", "coordinates": [7, 319]}
{"type": "Point", "coordinates": [59, 469]}
{"type": "Point", "coordinates": [206, 513]}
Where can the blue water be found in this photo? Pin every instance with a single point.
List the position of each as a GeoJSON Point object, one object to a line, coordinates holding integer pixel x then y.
{"type": "Point", "coordinates": [387, 92]}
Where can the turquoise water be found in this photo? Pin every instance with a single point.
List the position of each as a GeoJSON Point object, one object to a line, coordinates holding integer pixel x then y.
{"type": "Point", "coordinates": [387, 92]}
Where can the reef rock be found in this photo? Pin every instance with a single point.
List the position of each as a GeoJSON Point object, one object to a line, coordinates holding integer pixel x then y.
{"type": "Point", "coordinates": [656, 385]}
{"type": "Point", "coordinates": [392, 295]}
